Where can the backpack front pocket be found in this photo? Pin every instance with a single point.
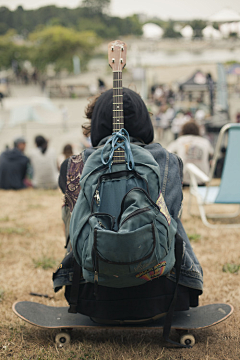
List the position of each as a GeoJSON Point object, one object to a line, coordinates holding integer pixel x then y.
{"type": "Point", "coordinates": [118, 249]}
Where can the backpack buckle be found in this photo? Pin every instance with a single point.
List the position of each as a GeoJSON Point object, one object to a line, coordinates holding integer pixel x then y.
{"type": "Point", "coordinates": [96, 277]}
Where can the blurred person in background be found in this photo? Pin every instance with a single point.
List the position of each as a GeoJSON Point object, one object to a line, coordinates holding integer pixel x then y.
{"type": "Point", "coordinates": [66, 153]}
{"type": "Point", "coordinates": [158, 95]}
{"type": "Point", "coordinates": [170, 96]}
{"type": "Point", "coordinates": [200, 117]}
{"type": "Point", "coordinates": [192, 148]}
{"type": "Point", "coordinates": [177, 123]}
{"type": "Point", "coordinates": [14, 167]}
{"type": "Point", "coordinates": [44, 165]}
{"type": "Point", "coordinates": [163, 120]}
{"type": "Point", "coordinates": [65, 117]}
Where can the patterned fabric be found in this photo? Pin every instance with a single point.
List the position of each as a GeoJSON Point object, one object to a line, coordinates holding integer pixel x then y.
{"type": "Point", "coordinates": [74, 171]}
{"type": "Point", "coordinates": [163, 208]}
{"type": "Point", "coordinates": [153, 273]}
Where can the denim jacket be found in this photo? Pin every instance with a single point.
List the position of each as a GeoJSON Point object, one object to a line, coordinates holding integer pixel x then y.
{"type": "Point", "coordinates": [171, 170]}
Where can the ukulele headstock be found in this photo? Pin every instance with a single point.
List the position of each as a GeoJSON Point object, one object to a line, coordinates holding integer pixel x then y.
{"type": "Point", "coordinates": [117, 53]}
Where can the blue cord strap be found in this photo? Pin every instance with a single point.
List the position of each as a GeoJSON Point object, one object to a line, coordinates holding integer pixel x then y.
{"type": "Point", "coordinates": [118, 140]}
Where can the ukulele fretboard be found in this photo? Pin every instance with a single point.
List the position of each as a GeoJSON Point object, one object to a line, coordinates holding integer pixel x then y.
{"type": "Point", "coordinates": [118, 119]}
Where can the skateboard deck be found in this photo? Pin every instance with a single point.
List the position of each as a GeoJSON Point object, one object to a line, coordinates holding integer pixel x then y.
{"type": "Point", "coordinates": [58, 317]}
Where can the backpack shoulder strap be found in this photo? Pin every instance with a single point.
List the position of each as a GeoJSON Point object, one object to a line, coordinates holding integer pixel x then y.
{"type": "Point", "coordinates": [169, 316]}
{"type": "Point", "coordinates": [73, 301]}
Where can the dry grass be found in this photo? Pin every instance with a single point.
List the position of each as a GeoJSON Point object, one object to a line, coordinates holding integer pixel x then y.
{"type": "Point", "coordinates": [31, 241]}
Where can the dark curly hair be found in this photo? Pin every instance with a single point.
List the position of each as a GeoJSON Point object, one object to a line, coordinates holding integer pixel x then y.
{"type": "Point", "coordinates": [86, 127]}
{"type": "Point", "coordinates": [190, 128]}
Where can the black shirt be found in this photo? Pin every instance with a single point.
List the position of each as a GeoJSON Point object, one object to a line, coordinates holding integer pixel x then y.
{"type": "Point", "coordinates": [13, 169]}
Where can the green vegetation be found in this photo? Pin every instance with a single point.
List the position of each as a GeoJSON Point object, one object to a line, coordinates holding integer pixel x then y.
{"type": "Point", "coordinates": [57, 45]}
{"type": "Point", "coordinates": [12, 230]}
{"type": "Point", "coordinates": [194, 237]}
{"type": "Point", "coordinates": [45, 263]}
{"type": "Point", "coordinates": [231, 62]}
{"type": "Point", "coordinates": [4, 219]}
{"type": "Point", "coordinates": [92, 13]}
{"type": "Point", "coordinates": [10, 51]}
{"type": "Point", "coordinates": [52, 35]}
{"type": "Point", "coordinates": [198, 26]}
{"type": "Point", "coordinates": [96, 6]}
{"type": "Point", "coordinates": [170, 32]}
{"type": "Point", "coordinates": [232, 268]}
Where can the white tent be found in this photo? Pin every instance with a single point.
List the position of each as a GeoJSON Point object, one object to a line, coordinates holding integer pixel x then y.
{"type": "Point", "coordinates": [152, 31]}
{"type": "Point", "coordinates": [216, 34]}
{"type": "Point", "coordinates": [235, 27]}
{"type": "Point", "coordinates": [187, 32]}
{"type": "Point", "coordinates": [225, 15]}
{"type": "Point", "coordinates": [225, 29]}
{"type": "Point", "coordinates": [228, 28]}
{"type": "Point", "coordinates": [210, 33]}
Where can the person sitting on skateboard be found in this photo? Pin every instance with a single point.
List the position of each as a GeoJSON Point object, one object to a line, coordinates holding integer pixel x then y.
{"type": "Point", "coordinates": [150, 299]}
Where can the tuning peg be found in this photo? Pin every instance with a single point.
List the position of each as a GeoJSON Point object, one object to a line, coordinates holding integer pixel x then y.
{"type": "Point", "coordinates": [112, 48]}
{"type": "Point", "coordinates": [113, 60]}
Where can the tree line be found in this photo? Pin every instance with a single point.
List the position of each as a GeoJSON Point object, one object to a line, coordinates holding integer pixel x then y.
{"type": "Point", "coordinates": [53, 35]}
{"type": "Point", "coordinates": [90, 16]}
{"type": "Point", "coordinates": [87, 17]}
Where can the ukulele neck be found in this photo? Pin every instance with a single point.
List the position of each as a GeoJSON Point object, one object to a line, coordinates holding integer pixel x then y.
{"type": "Point", "coordinates": [118, 119]}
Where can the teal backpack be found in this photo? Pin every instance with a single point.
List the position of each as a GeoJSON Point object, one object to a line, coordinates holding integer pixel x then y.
{"type": "Point", "coordinates": [121, 232]}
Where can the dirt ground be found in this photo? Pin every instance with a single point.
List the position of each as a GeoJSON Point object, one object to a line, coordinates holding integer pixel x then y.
{"type": "Point", "coordinates": [31, 247]}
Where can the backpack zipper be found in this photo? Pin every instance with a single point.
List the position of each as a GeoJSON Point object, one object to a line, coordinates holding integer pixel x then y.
{"type": "Point", "coordinates": [140, 189]}
{"type": "Point", "coordinates": [136, 212]}
{"type": "Point", "coordinates": [95, 267]}
{"type": "Point", "coordinates": [99, 222]}
{"type": "Point", "coordinates": [97, 197]}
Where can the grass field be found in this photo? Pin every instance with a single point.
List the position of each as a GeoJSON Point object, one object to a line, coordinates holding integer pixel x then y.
{"type": "Point", "coordinates": [31, 247]}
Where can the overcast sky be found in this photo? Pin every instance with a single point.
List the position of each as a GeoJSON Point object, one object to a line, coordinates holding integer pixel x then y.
{"type": "Point", "coordinates": [165, 9]}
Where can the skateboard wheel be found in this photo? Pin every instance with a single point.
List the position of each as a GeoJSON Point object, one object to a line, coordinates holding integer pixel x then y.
{"type": "Point", "coordinates": [187, 339]}
{"type": "Point", "coordinates": [62, 339]}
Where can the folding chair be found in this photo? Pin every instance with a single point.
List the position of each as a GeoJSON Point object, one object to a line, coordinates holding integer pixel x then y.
{"type": "Point", "coordinates": [228, 192]}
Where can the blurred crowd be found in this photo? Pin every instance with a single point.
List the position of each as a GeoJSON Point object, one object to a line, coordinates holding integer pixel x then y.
{"type": "Point", "coordinates": [182, 129]}
{"type": "Point", "coordinates": [38, 170]}
{"type": "Point", "coordinates": [41, 168]}
{"type": "Point", "coordinates": [169, 115]}
{"type": "Point", "coordinates": [179, 128]}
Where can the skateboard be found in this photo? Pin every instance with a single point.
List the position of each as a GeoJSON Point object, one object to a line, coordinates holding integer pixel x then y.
{"type": "Point", "coordinates": [50, 317]}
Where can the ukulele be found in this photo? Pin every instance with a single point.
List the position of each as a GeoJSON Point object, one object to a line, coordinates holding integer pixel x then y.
{"type": "Point", "coordinates": [117, 51]}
